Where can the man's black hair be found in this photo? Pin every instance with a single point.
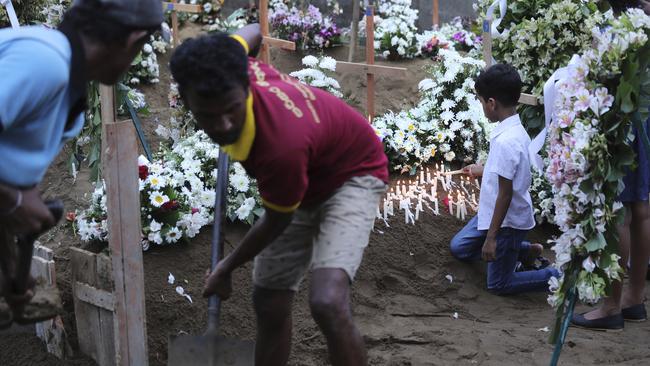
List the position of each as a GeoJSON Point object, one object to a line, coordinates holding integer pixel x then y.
{"type": "Point", "coordinates": [501, 82]}
{"type": "Point", "coordinates": [210, 65]}
{"type": "Point", "coordinates": [91, 20]}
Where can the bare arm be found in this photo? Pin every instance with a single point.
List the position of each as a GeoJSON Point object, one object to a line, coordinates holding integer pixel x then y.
{"type": "Point", "coordinates": [252, 34]}
{"type": "Point", "coordinates": [504, 198]}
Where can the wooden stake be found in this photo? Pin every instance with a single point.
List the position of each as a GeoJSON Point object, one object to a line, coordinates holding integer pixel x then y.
{"type": "Point", "coordinates": [436, 14]}
{"type": "Point", "coordinates": [120, 152]}
{"type": "Point", "coordinates": [265, 55]}
{"type": "Point", "coordinates": [370, 60]}
{"type": "Point", "coordinates": [487, 42]}
{"type": "Point", "coordinates": [175, 8]}
{"type": "Point", "coordinates": [123, 202]}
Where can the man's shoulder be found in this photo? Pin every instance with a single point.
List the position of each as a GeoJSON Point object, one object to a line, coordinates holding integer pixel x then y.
{"type": "Point", "coordinates": [36, 39]}
{"type": "Point", "coordinates": [44, 53]}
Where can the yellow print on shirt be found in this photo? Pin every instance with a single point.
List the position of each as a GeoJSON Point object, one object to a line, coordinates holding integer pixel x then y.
{"type": "Point", "coordinates": [306, 93]}
{"type": "Point", "coordinates": [288, 103]}
{"type": "Point", "coordinates": [259, 75]}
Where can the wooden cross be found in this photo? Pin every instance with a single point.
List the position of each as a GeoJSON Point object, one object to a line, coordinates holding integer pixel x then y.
{"type": "Point", "coordinates": [267, 40]}
{"type": "Point", "coordinates": [175, 8]}
{"type": "Point", "coordinates": [524, 98]}
{"type": "Point", "coordinates": [369, 67]}
{"type": "Point", "coordinates": [120, 159]}
{"type": "Point", "coordinates": [436, 14]}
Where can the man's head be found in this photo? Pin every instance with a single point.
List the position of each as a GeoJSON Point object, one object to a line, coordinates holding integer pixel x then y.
{"type": "Point", "coordinates": [113, 32]}
{"type": "Point", "coordinates": [498, 88]}
{"type": "Point", "coordinates": [212, 76]}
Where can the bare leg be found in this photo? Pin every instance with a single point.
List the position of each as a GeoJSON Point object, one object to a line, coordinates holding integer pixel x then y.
{"type": "Point", "coordinates": [639, 251]}
{"type": "Point", "coordinates": [329, 300]}
{"type": "Point", "coordinates": [273, 309]}
{"type": "Point", "coordinates": [612, 305]}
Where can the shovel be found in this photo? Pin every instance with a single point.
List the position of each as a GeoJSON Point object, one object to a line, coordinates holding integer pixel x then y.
{"type": "Point", "coordinates": [212, 349]}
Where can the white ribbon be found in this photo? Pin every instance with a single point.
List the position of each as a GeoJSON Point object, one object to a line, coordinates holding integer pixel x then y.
{"type": "Point", "coordinates": [550, 92]}
{"type": "Point", "coordinates": [11, 13]}
{"type": "Point", "coordinates": [503, 7]}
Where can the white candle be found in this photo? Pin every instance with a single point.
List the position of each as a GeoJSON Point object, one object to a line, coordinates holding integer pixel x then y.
{"type": "Point", "coordinates": [451, 205]}
{"type": "Point", "coordinates": [385, 210]}
{"type": "Point", "coordinates": [435, 205]}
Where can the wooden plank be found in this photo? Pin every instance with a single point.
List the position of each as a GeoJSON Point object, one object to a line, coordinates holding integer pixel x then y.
{"type": "Point", "coordinates": [436, 12]}
{"type": "Point", "coordinates": [265, 54]}
{"type": "Point", "coordinates": [104, 281]}
{"type": "Point", "coordinates": [183, 8]}
{"type": "Point", "coordinates": [528, 99]}
{"type": "Point", "coordinates": [123, 202]}
{"type": "Point", "coordinates": [93, 296]}
{"type": "Point", "coordinates": [86, 317]}
{"type": "Point", "coordinates": [370, 59]}
{"type": "Point", "coordinates": [371, 69]}
{"type": "Point", "coordinates": [280, 43]}
{"type": "Point", "coordinates": [354, 33]}
{"type": "Point", "coordinates": [107, 102]}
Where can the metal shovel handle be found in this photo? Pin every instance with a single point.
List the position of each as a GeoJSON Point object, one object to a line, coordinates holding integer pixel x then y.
{"type": "Point", "coordinates": [214, 302]}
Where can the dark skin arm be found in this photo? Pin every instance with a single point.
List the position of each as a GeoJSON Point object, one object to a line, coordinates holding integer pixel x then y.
{"type": "Point", "coordinates": [500, 210]}
{"type": "Point", "coordinates": [252, 34]}
{"type": "Point", "coordinates": [265, 230]}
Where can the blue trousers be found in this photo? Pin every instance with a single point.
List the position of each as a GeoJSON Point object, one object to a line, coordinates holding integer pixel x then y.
{"type": "Point", "coordinates": [502, 279]}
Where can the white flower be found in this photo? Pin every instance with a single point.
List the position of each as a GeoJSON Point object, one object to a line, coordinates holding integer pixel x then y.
{"type": "Point", "coordinates": [147, 48]}
{"type": "Point", "coordinates": [158, 199]}
{"type": "Point", "coordinates": [310, 61]}
{"type": "Point", "coordinates": [328, 63]}
{"type": "Point", "coordinates": [173, 235]}
{"type": "Point", "coordinates": [588, 264]}
{"type": "Point", "coordinates": [240, 182]}
{"type": "Point", "coordinates": [155, 181]}
{"type": "Point", "coordinates": [155, 226]}
{"type": "Point", "coordinates": [155, 238]}
{"type": "Point", "coordinates": [450, 156]}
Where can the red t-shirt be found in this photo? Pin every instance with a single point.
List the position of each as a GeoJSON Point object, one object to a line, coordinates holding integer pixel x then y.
{"type": "Point", "coordinates": [307, 143]}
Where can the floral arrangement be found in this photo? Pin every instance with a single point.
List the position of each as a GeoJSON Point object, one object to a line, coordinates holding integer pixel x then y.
{"type": "Point", "coordinates": [453, 34]}
{"type": "Point", "coordinates": [238, 19]}
{"type": "Point", "coordinates": [27, 11]}
{"type": "Point", "coordinates": [448, 122]}
{"type": "Point", "coordinates": [145, 68]}
{"type": "Point", "coordinates": [177, 193]}
{"type": "Point", "coordinates": [395, 29]}
{"type": "Point", "coordinates": [318, 73]}
{"type": "Point", "coordinates": [54, 11]}
{"type": "Point", "coordinates": [588, 153]}
{"type": "Point", "coordinates": [308, 29]}
{"type": "Point", "coordinates": [542, 195]}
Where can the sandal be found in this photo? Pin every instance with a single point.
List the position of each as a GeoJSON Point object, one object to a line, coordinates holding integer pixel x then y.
{"type": "Point", "coordinates": [635, 313]}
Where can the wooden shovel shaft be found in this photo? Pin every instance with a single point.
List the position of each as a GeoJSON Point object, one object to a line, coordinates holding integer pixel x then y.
{"type": "Point", "coordinates": [214, 303]}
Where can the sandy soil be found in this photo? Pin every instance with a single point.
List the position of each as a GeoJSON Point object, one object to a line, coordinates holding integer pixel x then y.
{"type": "Point", "coordinates": [402, 301]}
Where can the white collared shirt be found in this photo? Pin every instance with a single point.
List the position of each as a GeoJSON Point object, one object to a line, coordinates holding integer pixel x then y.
{"type": "Point", "coordinates": [508, 158]}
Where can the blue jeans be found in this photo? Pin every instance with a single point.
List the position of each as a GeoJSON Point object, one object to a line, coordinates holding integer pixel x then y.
{"type": "Point", "coordinates": [502, 279]}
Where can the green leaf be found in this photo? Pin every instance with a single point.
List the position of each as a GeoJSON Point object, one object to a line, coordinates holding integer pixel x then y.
{"type": "Point", "coordinates": [596, 243]}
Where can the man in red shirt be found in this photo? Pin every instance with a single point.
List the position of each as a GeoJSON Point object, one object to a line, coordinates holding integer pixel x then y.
{"type": "Point", "coordinates": [321, 172]}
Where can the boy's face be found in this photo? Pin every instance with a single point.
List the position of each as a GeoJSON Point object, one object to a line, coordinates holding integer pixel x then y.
{"type": "Point", "coordinates": [222, 118]}
{"type": "Point", "coordinates": [489, 108]}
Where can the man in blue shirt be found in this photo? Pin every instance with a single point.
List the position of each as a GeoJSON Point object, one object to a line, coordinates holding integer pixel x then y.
{"type": "Point", "coordinates": [43, 78]}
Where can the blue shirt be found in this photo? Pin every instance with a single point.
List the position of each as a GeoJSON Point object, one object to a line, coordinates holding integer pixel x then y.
{"type": "Point", "coordinates": [39, 101]}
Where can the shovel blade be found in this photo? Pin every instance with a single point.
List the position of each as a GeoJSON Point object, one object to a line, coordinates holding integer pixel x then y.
{"type": "Point", "coordinates": [209, 350]}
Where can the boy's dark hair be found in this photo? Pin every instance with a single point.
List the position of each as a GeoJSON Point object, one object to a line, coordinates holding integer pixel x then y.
{"type": "Point", "coordinates": [92, 20]}
{"type": "Point", "coordinates": [210, 65]}
{"type": "Point", "coordinates": [501, 82]}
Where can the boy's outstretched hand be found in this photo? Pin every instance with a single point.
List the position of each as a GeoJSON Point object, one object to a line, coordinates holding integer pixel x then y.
{"type": "Point", "coordinates": [473, 170]}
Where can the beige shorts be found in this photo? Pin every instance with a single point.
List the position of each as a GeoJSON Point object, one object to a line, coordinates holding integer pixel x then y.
{"type": "Point", "coordinates": [333, 234]}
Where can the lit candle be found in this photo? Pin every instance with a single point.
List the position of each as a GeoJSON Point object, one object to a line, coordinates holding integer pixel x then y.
{"type": "Point", "coordinates": [451, 204]}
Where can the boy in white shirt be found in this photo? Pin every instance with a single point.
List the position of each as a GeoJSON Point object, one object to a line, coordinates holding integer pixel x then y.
{"type": "Point", "coordinates": [505, 212]}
